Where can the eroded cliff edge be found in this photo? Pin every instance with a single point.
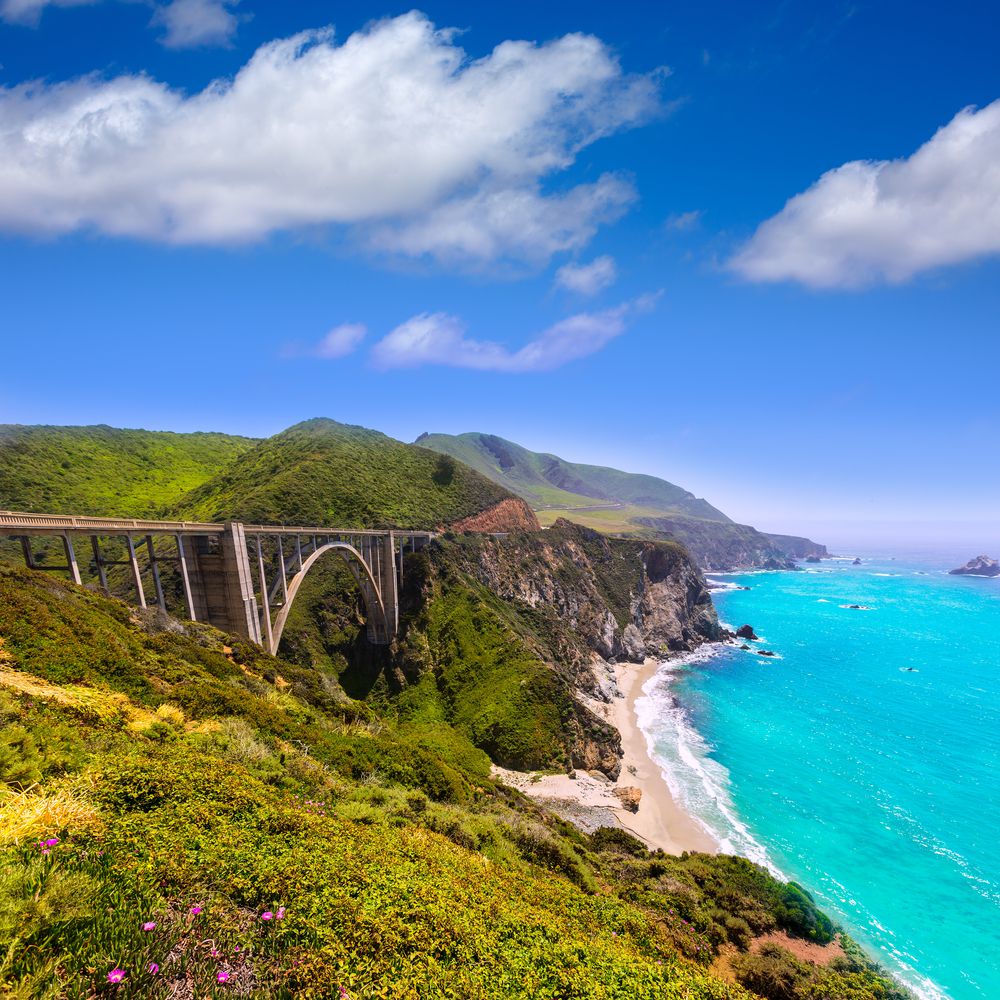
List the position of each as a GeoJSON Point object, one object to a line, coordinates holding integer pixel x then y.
{"type": "Point", "coordinates": [510, 638]}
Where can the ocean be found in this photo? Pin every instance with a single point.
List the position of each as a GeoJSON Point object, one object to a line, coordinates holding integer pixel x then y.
{"type": "Point", "coordinates": [862, 761]}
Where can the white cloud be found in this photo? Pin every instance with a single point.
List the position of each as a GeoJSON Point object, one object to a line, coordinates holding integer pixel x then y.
{"type": "Point", "coordinates": [192, 23]}
{"type": "Point", "coordinates": [29, 12]}
{"type": "Point", "coordinates": [439, 338]}
{"type": "Point", "coordinates": [588, 279]}
{"type": "Point", "coordinates": [685, 221]}
{"type": "Point", "coordinates": [188, 23]}
{"type": "Point", "coordinates": [870, 221]}
{"type": "Point", "coordinates": [394, 132]}
{"type": "Point", "coordinates": [341, 340]}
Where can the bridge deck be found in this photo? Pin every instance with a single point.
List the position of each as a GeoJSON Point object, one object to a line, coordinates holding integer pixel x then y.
{"type": "Point", "coordinates": [18, 523]}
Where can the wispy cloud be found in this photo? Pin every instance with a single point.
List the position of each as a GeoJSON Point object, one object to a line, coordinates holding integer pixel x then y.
{"type": "Point", "coordinates": [440, 339]}
{"type": "Point", "coordinates": [194, 23]}
{"type": "Point", "coordinates": [871, 221]}
{"type": "Point", "coordinates": [588, 279]}
{"type": "Point", "coordinates": [187, 23]}
{"type": "Point", "coordinates": [684, 221]}
{"type": "Point", "coordinates": [29, 12]}
{"type": "Point", "coordinates": [338, 343]}
{"type": "Point", "coordinates": [395, 133]}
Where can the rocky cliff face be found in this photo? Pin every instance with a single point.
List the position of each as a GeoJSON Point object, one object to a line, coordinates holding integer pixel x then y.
{"type": "Point", "coordinates": [569, 600]}
{"type": "Point", "coordinates": [726, 547]}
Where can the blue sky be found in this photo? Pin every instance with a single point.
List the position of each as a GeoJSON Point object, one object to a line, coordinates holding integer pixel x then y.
{"type": "Point", "coordinates": [565, 224]}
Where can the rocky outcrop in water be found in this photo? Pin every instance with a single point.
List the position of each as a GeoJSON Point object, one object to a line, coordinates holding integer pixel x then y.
{"type": "Point", "coordinates": [980, 566]}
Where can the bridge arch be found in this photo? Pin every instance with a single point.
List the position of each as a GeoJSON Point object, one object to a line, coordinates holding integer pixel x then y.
{"type": "Point", "coordinates": [360, 570]}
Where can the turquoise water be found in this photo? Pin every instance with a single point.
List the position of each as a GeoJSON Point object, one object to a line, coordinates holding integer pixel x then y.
{"type": "Point", "coordinates": [876, 786]}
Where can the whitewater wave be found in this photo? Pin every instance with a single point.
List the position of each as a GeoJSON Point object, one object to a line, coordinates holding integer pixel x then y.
{"type": "Point", "coordinates": [697, 782]}
{"type": "Point", "coordinates": [701, 785]}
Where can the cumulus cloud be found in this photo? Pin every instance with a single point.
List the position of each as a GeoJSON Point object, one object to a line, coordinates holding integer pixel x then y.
{"type": "Point", "coordinates": [394, 132]}
{"type": "Point", "coordinates": [29, 12]}
{"type": "Point", "coordinates": [871, 221]}
{"type": "Point", "coordinates": [588, 279]}
{"type": "Point", "coordinates": [440, 339]}
{"type": "Point", "coordinates": [193, 23]}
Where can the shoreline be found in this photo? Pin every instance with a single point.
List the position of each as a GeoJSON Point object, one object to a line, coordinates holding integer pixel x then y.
{"type": "Point", "coordinates": [589, 799]}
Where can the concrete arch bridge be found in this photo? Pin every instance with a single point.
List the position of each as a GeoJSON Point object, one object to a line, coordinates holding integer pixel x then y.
{"type": "Point", "coordinates": [241, 578]}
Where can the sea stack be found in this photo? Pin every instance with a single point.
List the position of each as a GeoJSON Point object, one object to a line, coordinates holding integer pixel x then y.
{"type": "Point", "coordinates": [980, 566]}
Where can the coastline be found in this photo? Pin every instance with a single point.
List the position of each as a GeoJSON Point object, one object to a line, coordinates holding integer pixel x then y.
{"type": "Point", "coordinates": [589, 799]}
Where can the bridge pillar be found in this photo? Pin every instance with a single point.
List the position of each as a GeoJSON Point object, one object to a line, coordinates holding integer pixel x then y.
{"type": "Point", "coordinates": [390, 589]}
{"type": "Point", "coordinates": [222, 592]}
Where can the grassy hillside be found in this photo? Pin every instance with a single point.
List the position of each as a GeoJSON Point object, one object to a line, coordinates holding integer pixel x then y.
{"type": "Point", "coordinates": [192, 817]}
{"type": "Point", "coordinates": [326, 473]}
{"type": "Point", "coordinates": [620, 503]}
{"type": "Point", "coordinates": [549, 481]}
{"type": "Point", "coordinates": [105, 470]}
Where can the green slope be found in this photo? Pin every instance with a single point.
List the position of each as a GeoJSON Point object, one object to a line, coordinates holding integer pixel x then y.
{"type": "Point", "coordinates": [106, 470]}
{"type": "Point", "coordinates": [327, 473]}
{"type": "Point", "coordinates": [549, 481]}
{"type": "Point", "coordinates": [210, 809]}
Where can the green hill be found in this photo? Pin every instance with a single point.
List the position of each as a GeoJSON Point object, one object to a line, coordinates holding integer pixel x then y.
{"type": "Point", "coordinates": [621, 503]}
{"type": "Point", "coordinates": [327, 473]}
{"type": "Point", "coordinates": [549, 481]}
{"type": "Point", "coordinates": [107, 471]}
{"type": "Point", "coordinates": [184, 813]}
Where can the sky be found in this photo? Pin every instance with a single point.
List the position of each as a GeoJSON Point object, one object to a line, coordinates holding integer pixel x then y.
{"type": "Point", "coordinates": [751, 248]}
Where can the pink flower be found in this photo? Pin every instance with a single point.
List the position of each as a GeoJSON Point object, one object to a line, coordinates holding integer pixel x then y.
{"type": "Point", "coordinates": [343, 993]}
{"type": "Point", "coordinates": [222, 977]}
{"type": "Point", "coordinates": [266, 915]}
{"type": "Point", "coordinates": [195, 910]}
{"type": "Point", "coordinates": [149, 925]}
{"type": "Point", "coordinates": [116, 975]}
{"type": "Point", "coordinates": [153, 968]}
{"type": "Point", "coordinates": [281, 913]}
{"type": "Point", "coordinates": [214, 953]}
{"type": "Point", "coordinates": [51, 842]}
{"type": "Point", "coordinates": [46, 851]}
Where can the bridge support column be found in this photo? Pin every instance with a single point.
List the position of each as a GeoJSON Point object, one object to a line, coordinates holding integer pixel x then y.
{"type": "Point", "coordinates": [390, 598]}
{"type": "Point", "coordinates": [221, 587]}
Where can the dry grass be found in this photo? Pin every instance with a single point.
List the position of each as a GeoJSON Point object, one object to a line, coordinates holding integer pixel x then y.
{"type": "Point", "coordinates": [36, 812]}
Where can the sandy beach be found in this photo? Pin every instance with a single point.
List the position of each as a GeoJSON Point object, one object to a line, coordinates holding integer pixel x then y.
{"type": "Point", "coordinates": [589, 799]}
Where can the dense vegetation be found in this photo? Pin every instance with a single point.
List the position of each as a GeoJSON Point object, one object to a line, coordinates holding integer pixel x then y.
{"type": "Point", "coordinates": [323, 472]}
{"type": "Point", "coordinates": [549, 481]}
{"type": "Point", "coordinates": [192, 817]}
{"type": "Point", "coordinates": [105, 471]}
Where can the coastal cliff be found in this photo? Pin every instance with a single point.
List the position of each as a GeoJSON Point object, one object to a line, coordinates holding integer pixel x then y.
{"type": "Point", "coordinates": [727, 547]}
{"type": "Point", "coordinates": [512, 637]}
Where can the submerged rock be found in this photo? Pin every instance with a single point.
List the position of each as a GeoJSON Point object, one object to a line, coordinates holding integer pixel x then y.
{"type": "Point", "coordinates": [980, 566]}
{"type": "Point", "coordinates": [857, 561]}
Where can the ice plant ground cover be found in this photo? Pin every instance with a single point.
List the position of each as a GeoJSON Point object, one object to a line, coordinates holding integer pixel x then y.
{"type": "Point", "coordinates": [279, 839]}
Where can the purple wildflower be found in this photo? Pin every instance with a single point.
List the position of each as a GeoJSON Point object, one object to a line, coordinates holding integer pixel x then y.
{"type": "Point", "coordinates": [153, 968]}
{"type": "Point", "coordinates": [51, 842]}
{"type": "Point", "coordinates": [149, 925]}
{"type": "Point", "coordinates": [280, 915]}
{"type": "Point", "coordinates": [266, 915]}
{"type": "Point", "coordinates": [116, 975]}
{"type": "Point", "coordinates": [222, 977]}
{"type": "Point", "coordinates": [195, 910]}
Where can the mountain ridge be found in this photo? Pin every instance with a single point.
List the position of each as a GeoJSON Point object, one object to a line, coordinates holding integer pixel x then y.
{"type": "Point", "coordinates": [623, 503]}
